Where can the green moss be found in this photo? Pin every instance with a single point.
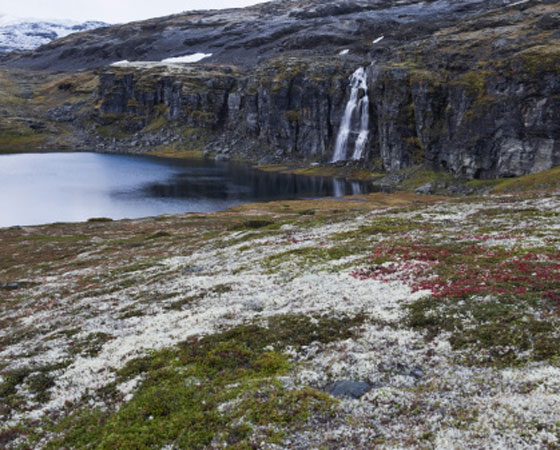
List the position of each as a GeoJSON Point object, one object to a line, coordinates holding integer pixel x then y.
{"type": "Point", "coordinates": [21, 143]}
{"type": "Point", "coordinates": [310, 256]}
{"type": "Point", "coordinates": [501, 331]}
{"type": "Point", "coordinates": [90, 345]}
{"type": "Point", "coordinates": [475, 81]}
{"type": "Point", "coordinates": [541, 58]}
{"type": "Point", "coordinates": [220, 389]}
{"type": "Point", "coordinates": [11, 381]}
{"type": "Point", "coordinates": [113, 131]}
{"type": "Point", "coordinates": [178, 305]}
{"type": "Point", "coordinates": [156, 124]}
{"type": "Point", "coordinates": [37, 380]}
{"type": "Point", "coordinates": [39, 385]}
{"type": "Point", "coordinates": [292, 115]}
{"type": "Point", "coordinates": [418, 176]}
{"type": "Point", "coordinates": [548, 179]}
{"type": "Point", "coordinates": [253, 224]}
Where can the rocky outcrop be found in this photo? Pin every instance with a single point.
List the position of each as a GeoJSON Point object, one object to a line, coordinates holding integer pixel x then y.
{"type": "Point", "coordinates": [469, 87]}
{"type": "Point", "coordinates": [480, 124]}
{"type": "Point", "coordinates": [285, 110]}
{"type": "Point", "coordinates": [477, 124]}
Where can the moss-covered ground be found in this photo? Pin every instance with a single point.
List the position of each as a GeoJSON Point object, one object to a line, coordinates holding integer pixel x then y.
{"type": "Point", "coordinates": [225, 329]}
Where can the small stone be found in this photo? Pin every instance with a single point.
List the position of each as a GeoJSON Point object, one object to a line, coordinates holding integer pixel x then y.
{"type": "Point", "coordinates": [10, 286]}
{"type": "Point", "coordinates": [253, 305]}
{"type": "Point", "coordinates": [192, 269]}
{"type": "Point", "coordinates": [348, 388]}
{"type": "Point", "coordinates": [222, 158]}
{"type": "Point", "coordinates": [426, 189]}
{"type": "Point", "coordinates": [417, 373]}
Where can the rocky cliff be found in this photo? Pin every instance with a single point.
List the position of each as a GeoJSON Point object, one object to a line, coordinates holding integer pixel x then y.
{"type": "Point", "coordinates": [469, 87]}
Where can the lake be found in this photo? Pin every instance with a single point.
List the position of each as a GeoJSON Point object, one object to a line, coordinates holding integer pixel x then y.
{"type": "Point", "coordinates": [72, 187]}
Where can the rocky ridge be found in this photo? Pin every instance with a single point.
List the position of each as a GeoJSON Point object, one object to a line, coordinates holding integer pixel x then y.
{"type": "Point", "coordinates": [467, 87]}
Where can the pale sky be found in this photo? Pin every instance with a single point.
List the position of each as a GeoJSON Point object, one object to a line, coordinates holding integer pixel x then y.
{"type": "Point", "coordinates": [111, 11]}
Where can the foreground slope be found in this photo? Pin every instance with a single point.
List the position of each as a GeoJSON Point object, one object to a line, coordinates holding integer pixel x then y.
{"type": "Point", "coordinates": [229, 329]}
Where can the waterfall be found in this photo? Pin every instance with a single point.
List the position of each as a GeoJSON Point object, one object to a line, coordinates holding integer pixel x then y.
{"type": "Point", "coordinates": [355, 120]}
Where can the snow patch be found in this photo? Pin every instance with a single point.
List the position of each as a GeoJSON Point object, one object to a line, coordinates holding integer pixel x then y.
{"type": "Point", "coordinates": [195, 57]}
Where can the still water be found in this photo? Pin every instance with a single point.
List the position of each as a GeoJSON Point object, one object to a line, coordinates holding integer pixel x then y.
{"type": "Point", "coordinates": [70, 187]}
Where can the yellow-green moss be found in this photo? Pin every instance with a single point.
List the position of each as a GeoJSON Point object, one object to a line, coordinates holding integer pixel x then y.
{"type": "Point", "coordinates": [543, 180]}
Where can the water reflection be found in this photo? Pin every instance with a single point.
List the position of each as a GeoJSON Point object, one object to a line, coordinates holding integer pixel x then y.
{"type": "Point", "coordinates": [43, 188]}
{"type": "Point", "coordinates": [245, 184]}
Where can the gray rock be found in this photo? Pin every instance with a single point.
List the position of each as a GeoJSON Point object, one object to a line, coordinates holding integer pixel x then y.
{"type": "Point", "coordinates": [10, 286]}
{"type": "Point", "coordinates": [222, 158]}
{"type": "Point", "coordinates": [254, 305]}
{"type": "Point", "coordinates": [348, 389]}
{"type": "Point", "coordinates": [417, 373]}
{"type": "Point", "coordinates": [426, 189]}
{"type": "Point", "coordinates": [189, 270]}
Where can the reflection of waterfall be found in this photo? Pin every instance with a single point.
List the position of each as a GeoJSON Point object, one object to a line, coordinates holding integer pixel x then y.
{"type": "Point", "coordinates": [339, 188]}
{"type": "Point", "coordinates": [355, 119]}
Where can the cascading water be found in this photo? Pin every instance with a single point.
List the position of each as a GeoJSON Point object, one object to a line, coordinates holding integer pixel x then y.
{"type": "Point", "coordinates": [355, 120]}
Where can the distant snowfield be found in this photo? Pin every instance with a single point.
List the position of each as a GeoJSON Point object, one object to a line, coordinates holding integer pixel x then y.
{"type": "Point", "coordinates": [28, 33]}
{"type": "Point", "coordinates": [185, 59]}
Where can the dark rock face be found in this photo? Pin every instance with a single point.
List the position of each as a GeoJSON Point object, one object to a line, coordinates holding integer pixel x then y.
{"type": "Point", "coordinates": [274, 112]}
{"type": "Point", "coordinates": [479, 125]}
{"type": "Point", "coordinates": [503, 126]}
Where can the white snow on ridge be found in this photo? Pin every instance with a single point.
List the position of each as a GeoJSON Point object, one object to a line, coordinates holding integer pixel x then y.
{"type": "Point", "coordinates": [168, 62]}
{"type": "Point", "coordinates": [379, 39]}
{"type": "Point", "coordinates": [195, 57]}
{"type": "Point", "coordinates": [28, 34]}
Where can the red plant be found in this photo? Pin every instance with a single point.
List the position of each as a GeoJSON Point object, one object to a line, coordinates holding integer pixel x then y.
{"type": "Point", "coordinates": [461, 271]}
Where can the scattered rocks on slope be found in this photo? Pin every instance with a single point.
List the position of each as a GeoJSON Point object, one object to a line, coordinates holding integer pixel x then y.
{"type": "Point", "coordinates": [10, 286]}
{"type": "Point", "coordinates": [348, 389]}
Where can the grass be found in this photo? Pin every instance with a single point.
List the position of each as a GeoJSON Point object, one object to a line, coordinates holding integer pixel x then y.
{"type": "Point", "coordinates": [549, 179]}
{"type": "Point", "coordinates": [502, 331]}
{"type": "Point", "coordinates": [171, 152]}
{"type": "Point", "coordinates": [221, 388]}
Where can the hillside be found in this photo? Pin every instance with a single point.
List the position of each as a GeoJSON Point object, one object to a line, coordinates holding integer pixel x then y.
{"type": "Point", "coordinates": [389, 320]}
{"type": "Point", "coordinates": [467, 87]}
{"type": "Point", "coordinates": [397, 321]}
